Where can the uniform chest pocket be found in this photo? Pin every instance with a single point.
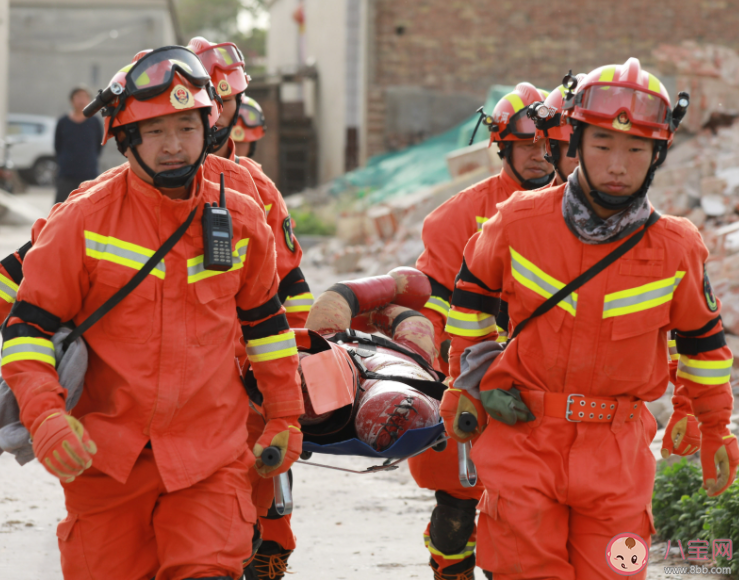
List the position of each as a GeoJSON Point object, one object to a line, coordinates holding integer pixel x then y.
{"type": "Point", "coordinates": [638, 314]}
{"type": "Point", "coordinates": [132, 320]}
{"type": "Point", "coordinates": [543, 338]}
{"type": "Point", "coordinates": [214, 315]}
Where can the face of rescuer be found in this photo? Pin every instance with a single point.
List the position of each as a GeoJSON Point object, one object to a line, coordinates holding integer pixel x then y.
{"type": "Point", "coordinates": [566, 164]}
{"type": "Point", "coordinates": [528, 159]}
{"type": "Point", "coordinates": [616, 162]}
{"type": "Point", "coordinates": [229, 110]}
{"type": "Point", "coordinates": [168, 142]}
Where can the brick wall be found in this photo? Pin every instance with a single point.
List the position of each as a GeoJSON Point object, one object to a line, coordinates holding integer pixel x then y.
{"type": "Point", "coordinates": [464, 46]}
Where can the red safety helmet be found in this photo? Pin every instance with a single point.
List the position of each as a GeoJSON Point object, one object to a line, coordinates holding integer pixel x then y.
{"type": "Point", "coordinates": [629, 99]}
{"type": "Point", "coordinates": [625, 98]}
{"type": "Point", "coordinates": [225, 65]}
{"type": "Point", "coordinates": [250, 125]}
{"type": "Point", "coordinates": [509, 121]}
{"type": "Point", "coordinates": [164, 68]}
{"type": "Point", "coordinates": [158, 82]}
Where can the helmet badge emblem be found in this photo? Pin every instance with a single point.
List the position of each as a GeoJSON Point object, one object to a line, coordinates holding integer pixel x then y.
{"type": "Point", "coordinates": [224, 88]}
{"type": "Point", "coordinates": [181, 98]}
{"type": "Point", "coordinates": [238, 133]}
{"type": "Point", "coordinates": [622, 122]}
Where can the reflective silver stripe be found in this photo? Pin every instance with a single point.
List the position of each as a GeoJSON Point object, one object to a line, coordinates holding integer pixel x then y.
{"type": "Point", "coordinates": [290, 302]}
{"type": "Point", "coordinates": [18, 348]}
{"type": "Point", "coordinates": [471, 324]}
{"type": "Point", "coordinates": [634, 300]}
{"type": "Point", "coordinates": [704, 372]}
{"type": "Point", "coordinates": [435, 301]}
{"type": "Point", "coordinates": [7, 290]}
{"type": "Point", "coordinates": [542, 284]}
{"type": "Point", "coordinates": [127, 256]}
{"type": "Point", "coordinates": [272, 347]}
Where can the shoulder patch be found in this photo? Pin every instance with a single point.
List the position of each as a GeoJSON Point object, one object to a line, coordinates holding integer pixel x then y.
{"type": "Point", "coordinates": [711, 301]}
{"type": "Point", "coordinates": [287, 229]}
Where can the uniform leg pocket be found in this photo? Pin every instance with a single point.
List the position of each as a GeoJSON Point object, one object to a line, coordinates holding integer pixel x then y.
{"type": "Point", "coordinates": [74, 562]}
{"type": "Point", "coordinates": [238, 546]}
{"type": "Point", "coordinates": [498, 548]}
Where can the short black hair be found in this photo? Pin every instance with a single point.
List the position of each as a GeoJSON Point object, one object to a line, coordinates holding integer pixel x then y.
{"type": "Point", "coordinates": [78, 89]}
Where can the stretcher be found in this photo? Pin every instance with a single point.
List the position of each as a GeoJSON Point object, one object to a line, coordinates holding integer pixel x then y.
{"type": "Point", "coordinates": [413, 442]}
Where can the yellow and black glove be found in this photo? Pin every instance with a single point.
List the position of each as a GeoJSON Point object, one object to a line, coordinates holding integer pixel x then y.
{"type": "Point", "coordinates": [62, 446]}
{"type": "Point", "coordinates": [284, 435]}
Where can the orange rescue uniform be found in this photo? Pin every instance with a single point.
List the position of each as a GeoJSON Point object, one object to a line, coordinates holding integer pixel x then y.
{"type": "Point", "coordinates": [161, 369]}
{"type": "Point", "coordinates": [557, 491]}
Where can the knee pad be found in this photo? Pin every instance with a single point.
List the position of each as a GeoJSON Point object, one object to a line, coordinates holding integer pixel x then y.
{"type": "Point", "coordinates": [272, 512]}
{"type": "Point", "coordinates": [452, 523]}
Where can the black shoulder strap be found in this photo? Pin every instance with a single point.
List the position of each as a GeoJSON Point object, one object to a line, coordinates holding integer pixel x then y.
{"type": "Point", "coordinates": [139, 277]}
{"type": "Point", "coordinates": [359, 337]}
{"type": "Point", "coordinates": [588, 275]}
{"type": "Point", "coordinates": [433, 389]}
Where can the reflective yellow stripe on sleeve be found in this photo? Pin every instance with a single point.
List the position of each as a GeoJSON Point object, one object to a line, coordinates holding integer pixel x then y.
{"type": "Point", "coordinates": [481, 222]}
{"type": "Point", "coordinates": [272, 347]}
{"type": "Point", "coordinates": [26, 348]}
{"type": "Point", "coordinates": [267, 209]}
{"type": "Point", "coordinates": [672, 345]}
{"type": "Point", "coordinates": [473, 324]}
{"type": "Point", "coordinates": [502, 334]}
{"type": "Point", "coordinates": [120, 252]}
{"type": "Point", "coordinates": [8, 289]}
{"type": "Point", "coordinates": [299, 303]}
{"type": "Point", "coordinates": [196, 269]}
{"type": "Point", "coordinates": [534, 278]}
{"type": "Point", "coordinates": [641, 298]}
{"type": "Point", "coordinates": [704, 372]}
{"type": "Point", "coordinates": [438, 305]}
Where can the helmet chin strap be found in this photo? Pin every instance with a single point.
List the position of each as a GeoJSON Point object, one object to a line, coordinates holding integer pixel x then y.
{"type": "Point", "coordinates": [555, 158]}
{"type": "Point", "coordinates": [527, 184]}
{"type": "Point", "coordinates": [172, 178]}
{"type": "Point", "coordinates": [221, 135]}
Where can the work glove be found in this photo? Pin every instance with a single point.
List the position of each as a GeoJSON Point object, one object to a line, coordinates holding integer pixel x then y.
{"type": "Point", "coordinates": [453, 404]}
{"type": "Point", "coordinates": [285, 434]}
{"type": "Point", "coordinates": [506, 406]}
{"type": "Point", "coordinates": [682, 435]}
{"type": "Point", "coordinates": [722, 451]}
{"type": "Point", "coordinates": [62, 446]}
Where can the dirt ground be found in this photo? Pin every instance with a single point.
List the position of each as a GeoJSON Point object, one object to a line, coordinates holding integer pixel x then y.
{"type": "Point", "coordinates": [348, 526]}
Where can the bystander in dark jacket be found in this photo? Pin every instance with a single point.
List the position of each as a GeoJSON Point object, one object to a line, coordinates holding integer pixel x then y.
{"type": "Point", "coordinates": [78, 142]}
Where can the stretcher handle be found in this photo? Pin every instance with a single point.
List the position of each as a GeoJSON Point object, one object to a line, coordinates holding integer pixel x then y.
{"type": "Point", "coordinates": [467, 422]}
{"type": "Point", "coordinates": [271, 456]}
{"type": "Point", "coordinates": [283, 494]}
{"type": "Point", "coordinates": [467, 469]}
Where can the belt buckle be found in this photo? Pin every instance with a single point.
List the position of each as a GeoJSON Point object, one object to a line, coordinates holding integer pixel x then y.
{"type": "Point", "coordinates": [569, 412]}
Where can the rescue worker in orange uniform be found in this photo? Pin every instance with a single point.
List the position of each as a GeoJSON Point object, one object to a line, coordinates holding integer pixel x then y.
{"type": "Point", "coordinates": [294, 290]}
{"type": "Point", "coordinates": [450, 535]}
{"type": "Point", "coordinates": [154, 459]}
{"type": "Point", "coordinates": [249, 128]}
{"type": "Point", "coordinates": [565, 457]}
{"type": "Point", "coordinates": [226, 67]}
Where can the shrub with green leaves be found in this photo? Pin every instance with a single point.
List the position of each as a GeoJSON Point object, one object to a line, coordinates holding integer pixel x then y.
{"type": "Point", "coordinates": [672, 484]}
{"type": "Point", "coordinates": [722, 520]}
{"type": "Point", "coordinates": [309, 223]}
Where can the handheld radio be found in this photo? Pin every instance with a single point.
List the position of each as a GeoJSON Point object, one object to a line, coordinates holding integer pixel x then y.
{"type": "Point", "coordinates": [217, 235]}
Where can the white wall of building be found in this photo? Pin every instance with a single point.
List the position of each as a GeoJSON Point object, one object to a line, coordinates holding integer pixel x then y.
{"type": "Point", "coordinates": [4, 50]}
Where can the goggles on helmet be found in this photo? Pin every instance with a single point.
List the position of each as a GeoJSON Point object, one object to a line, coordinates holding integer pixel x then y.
{"type": "Point", "coordinates": [609, 101]}
{"type": "Point", "coordinates": [153, 74]}
{"type": "Point", "coordinates": [251, 117]}
{"type": "Point", "coordinates": [521, 125]}
{"type": "Point", "coordinates": [225, 56]}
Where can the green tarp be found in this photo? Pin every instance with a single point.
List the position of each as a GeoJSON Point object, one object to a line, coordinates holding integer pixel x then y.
{"type": "Point", "coordinates": [423, 165]}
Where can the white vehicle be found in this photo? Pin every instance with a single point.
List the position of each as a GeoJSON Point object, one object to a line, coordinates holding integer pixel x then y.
{"type": "Point", "coordinates": [31, 138]}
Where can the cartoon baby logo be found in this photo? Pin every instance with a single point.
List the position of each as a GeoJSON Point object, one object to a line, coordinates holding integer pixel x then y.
{"type": "Point", "coordinates": [627, 554]}
{"type": "Point", "coordinates": [181, 98]}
